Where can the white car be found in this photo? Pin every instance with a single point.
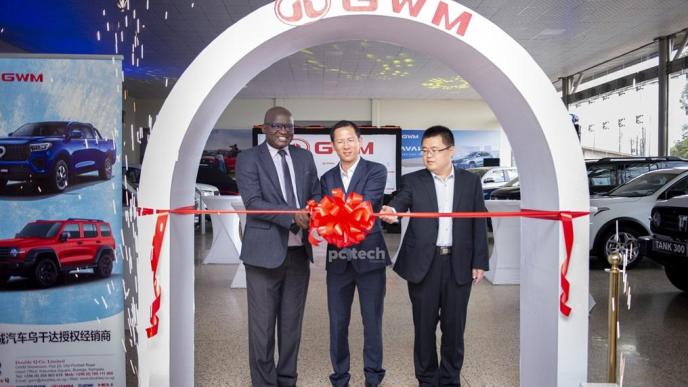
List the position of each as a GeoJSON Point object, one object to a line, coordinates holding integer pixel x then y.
{"type": "Point", "coordinates": [494, 177]}
{"type": "Point", "coordinates": [630, 205]}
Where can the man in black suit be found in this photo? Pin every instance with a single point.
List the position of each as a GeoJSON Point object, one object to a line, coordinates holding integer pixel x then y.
{"type": "Point", "coordinates": [276, 176]}
{"type": "Point", "coordinates": [440, 257]}
{"type": "Point", "coordinates": [360, 266]}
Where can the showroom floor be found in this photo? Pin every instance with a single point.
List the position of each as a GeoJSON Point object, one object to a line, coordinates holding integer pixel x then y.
{"type": "Point", "coordinates": [654, 333]}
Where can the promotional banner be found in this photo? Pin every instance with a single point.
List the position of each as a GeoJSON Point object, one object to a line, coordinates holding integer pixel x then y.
{"type": "Point", "coordinates": [379, 145]}
{"type": "Point", "coordinates": [472, 147]}
{"type": "Point", "coordinates": [61, 285]}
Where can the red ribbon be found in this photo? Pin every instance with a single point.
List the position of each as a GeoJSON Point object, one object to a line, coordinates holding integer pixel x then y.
{"type": "Point", "coordinates": [345, 221]}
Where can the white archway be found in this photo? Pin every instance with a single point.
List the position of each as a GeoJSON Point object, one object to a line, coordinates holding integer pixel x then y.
{"type": "Point", "coordinates": [553, 347]}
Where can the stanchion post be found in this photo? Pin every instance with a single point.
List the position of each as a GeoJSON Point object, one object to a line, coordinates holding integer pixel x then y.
{"type": "Point", "coordinates": [614, 260]}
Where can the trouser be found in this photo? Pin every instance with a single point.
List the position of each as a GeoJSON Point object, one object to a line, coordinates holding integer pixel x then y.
{"type": "Point", "coordinates": [340, 293]}
{"type": "Point", "coordinates": [276, 297]}
{"type": "Point", "coordinates": [438, 298]}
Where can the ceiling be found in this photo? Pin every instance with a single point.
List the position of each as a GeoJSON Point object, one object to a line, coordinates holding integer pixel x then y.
{"type": "Point", "coordinates": [564, 36]}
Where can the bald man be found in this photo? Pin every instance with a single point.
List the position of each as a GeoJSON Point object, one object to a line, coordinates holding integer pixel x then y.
{"type": "Point", "coordinates": [276, 176]}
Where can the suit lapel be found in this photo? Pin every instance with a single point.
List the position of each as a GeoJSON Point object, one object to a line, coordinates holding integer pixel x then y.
{"type": "Point", "coordinates": [429, 186]}
{"type": "Point", "coordinates": [361, 170]}
{"type": "Point", "coordinates": [299, 169]}
{"type": "Point", "coordinates": [266, 160]}
{"type": "Point", "coordinates": [458, 189]}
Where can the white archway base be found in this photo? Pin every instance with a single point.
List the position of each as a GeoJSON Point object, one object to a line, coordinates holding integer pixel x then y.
{"type": "Point", "coordinates": [553, 348]}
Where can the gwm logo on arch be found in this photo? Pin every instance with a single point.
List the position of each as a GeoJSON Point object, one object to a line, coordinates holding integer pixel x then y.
{"type": "Point", "coordinates": [300, 12]}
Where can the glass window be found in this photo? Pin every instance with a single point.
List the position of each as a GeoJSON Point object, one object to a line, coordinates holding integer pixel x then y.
{"type": "Point", "coordinates": [41, 129]}
{"type": "Point", "coordinates": [72, 229]}
{"type": "Point", "coordinates": [677, 189]}
{"type": "Point", "coordinates": [630, 171]}
{"type": "Point", "coordinates": [498, 176]}
{"type": "Point", "coordinates": [90, 230]}
{"type": "Point", "coordinates": [87, 132]}
{"type": "Point", "coordinates": [39, 230]}
{"type": "Point", "coordinates": [623, 122]}
{"type": "Point", "coordinates": [645, 185]}
{"type": "Point", "coordinates": [678, 114]}
{"type": "Point", "coordinates": [105, 230]}
{"type": "Point", "coordinates": [602, 175]}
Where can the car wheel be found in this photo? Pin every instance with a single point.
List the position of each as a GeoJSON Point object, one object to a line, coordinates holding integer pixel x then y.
{"type": "Point", "coordinates": [628, 241]}
{"type": "Point", "coordinates": [105, 172]}
{"type": "Point", "coordinates": [104, 268]}
{"type": "Point", "coordinates": [59, 177]}
{"type": "Point", "coordinates": [471, 165]}
{"type": "Point", "coordinates": [46, 273]}
{"type": "Point", "coordinates": [678, 276]}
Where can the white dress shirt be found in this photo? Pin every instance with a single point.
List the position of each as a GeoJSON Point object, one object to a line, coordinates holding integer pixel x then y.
{"type": "Point", "coordinates": [445, 203]}
{"type": "Point", "coordinates": [294, 239]}
{"type": "Point", "coordinates": [347, 175]}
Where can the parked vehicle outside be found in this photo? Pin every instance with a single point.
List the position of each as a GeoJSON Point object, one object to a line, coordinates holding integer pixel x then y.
{"type": "Point", "coordinates": [630, 205]}
{"type": "Point", "coordinates": [53, 153]}
{"type": "Point", "coordinates": [609, 173]}
{"type": "Point", "coordinates": [45, 249]}
{"type": "Point", "coordinates": [494, 177]}
{"type": "Point", "coordinates": [509, 191]}
{"type": "Point", "coordinates": [668, 244]}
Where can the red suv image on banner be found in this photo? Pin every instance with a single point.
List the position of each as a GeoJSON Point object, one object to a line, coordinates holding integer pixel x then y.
{"type": "Point", "coordinates": [45, 249]}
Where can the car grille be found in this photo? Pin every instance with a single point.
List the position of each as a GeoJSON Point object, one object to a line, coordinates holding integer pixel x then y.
{"type": "Point", "coordinates": [5, 252]}
{"type": "Point", "coordinates": [14, 152]}
{"type": "Point", "coordinates": [670, 223]}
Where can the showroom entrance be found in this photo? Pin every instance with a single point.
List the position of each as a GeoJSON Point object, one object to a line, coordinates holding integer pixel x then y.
{"type": "Point", "coordinates": [553, 348]}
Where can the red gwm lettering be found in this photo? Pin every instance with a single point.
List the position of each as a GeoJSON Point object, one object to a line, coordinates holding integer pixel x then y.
{"type": "Point", "coordinates": [360, 5]}
{"type": "Point", "coordinates": [442, 14]}
{"type": "Point", "coordinates": [15, 77]}
{"type": "Point", "coordinates": [368, 149]}
{"type": "Point", "coordinates": [323, 148]}
{"type": "Point", "coordinates": [414, 6]}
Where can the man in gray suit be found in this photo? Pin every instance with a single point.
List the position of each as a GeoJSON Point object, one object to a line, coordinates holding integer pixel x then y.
{"type": "Point", "coordinates": [276, 253]}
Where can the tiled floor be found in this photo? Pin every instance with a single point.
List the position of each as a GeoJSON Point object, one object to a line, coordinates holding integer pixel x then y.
{"type": "Point", "coordinates": [654, 333]}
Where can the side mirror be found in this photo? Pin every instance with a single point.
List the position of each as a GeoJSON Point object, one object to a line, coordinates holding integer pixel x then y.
{"type": "Point", "coordinates": [64, 237]}
{"type": "Point", "coordinates": [75, 134]}
{"type": "Point", "coordinates": [489, 180]}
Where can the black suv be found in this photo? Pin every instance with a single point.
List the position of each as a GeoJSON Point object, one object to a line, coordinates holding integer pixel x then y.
{"type": "Point", "coordinates": [668, 243]}
{"type": "Point", "coordinates": [608, 173]}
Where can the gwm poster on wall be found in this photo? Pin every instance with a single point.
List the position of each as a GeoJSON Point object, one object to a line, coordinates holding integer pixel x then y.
{"type": "Point", "coordinates": [61, 286]}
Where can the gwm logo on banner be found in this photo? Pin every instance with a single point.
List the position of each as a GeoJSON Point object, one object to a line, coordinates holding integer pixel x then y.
{"type": "Point", "coordinates": [17, 77]}
{"type": "Point", "coordinates": [300, 12]}
{"type": "Point", "coordinates": [326, 148]}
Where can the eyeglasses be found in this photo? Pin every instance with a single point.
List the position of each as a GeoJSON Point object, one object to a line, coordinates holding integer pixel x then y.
{"type": "Point", "coordinates": [276, 127]}
{"type": "Point", "coordinates": [433, 151]}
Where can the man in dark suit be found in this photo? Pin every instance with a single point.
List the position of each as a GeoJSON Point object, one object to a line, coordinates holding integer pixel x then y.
{"type": "Point", "coordinates": [440, 257]}
{"type": "Point", "coordinates": [276, 176]}
{"type": "Point", "coordinates": [360, 266]}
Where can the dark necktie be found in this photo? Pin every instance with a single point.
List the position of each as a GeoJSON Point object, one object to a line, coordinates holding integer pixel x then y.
{"type": "Point", "coordinates": [288, 186]}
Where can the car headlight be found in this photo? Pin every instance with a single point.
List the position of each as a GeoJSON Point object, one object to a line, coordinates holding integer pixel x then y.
{"type": "Point", "coordinates": [14, 252]}
{"type": "Point", "coordinates": [656, 218]}
{"type": "Point", "coordinates": [41, 146]}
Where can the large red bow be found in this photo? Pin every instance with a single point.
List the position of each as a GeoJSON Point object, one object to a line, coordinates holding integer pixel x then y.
{"type": "Point", "coordinates": [341, 221]}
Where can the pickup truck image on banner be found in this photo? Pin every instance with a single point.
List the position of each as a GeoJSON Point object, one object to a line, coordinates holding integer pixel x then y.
{"type": "Point", "coordinates": [54, 153]}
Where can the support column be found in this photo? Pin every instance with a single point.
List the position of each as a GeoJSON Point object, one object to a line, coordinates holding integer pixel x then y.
{"type": "Point", "coordinates": [663, 100]}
